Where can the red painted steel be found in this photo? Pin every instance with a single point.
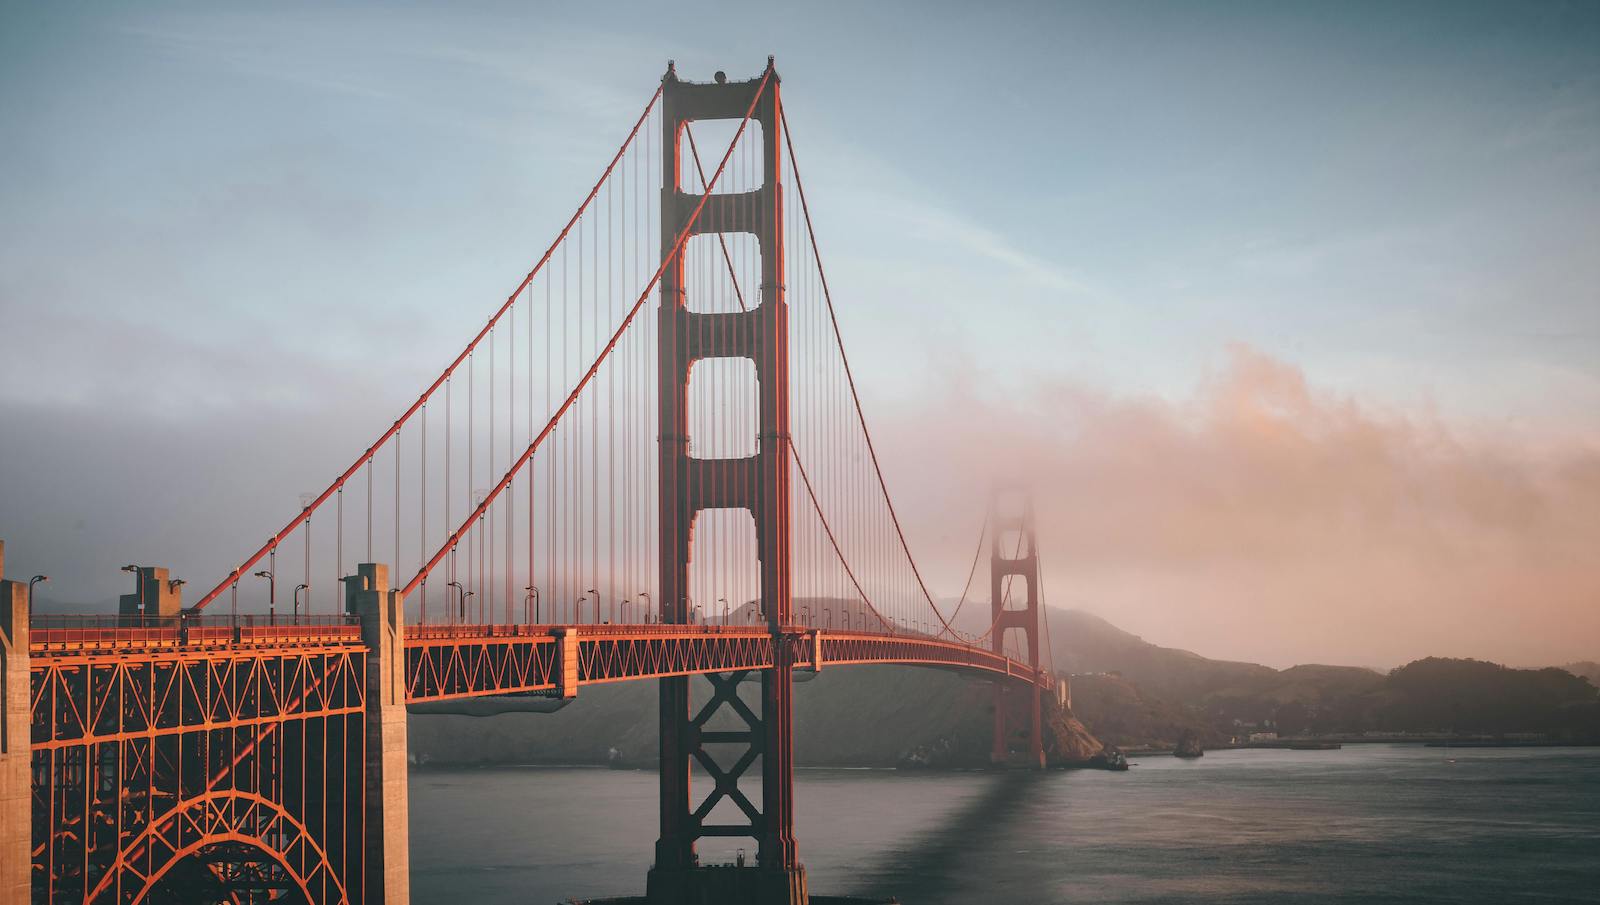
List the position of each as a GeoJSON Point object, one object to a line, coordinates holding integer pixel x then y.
{"type": "Point", "coordinates": [366, 457]}
{"type": "Point", "coordinates": [148, 751]}
{"type": "Point", "coordinates": [681, 235]}
{"type": "Point", "coordinates": [758, 483]}
{"type": "Point", "coordinates": [444, 662]}
{"type": "Point", "coordinates": [196, 771]}
{"type": "Point", "coordinates": [196, 758]}
{"type": "Point", "coordinates": [1022, 563]}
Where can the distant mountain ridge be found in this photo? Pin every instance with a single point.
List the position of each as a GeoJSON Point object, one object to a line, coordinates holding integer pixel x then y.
{"type": "Point", "coordinates": [1131, 692]}
{"type": "Point", "coordinates": [1588, 669]}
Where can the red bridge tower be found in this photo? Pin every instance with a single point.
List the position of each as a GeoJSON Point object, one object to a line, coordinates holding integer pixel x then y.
{"type": "Point", "coordinates": [1010, 612]}
{"type": "Point", "coordinates": [758, 484]}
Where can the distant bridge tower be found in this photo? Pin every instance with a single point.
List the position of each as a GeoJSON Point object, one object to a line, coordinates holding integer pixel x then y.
{"type": "Point", "coordinates": [1011, 515]}
{"type": "Point", "coordinates": [759, 484]}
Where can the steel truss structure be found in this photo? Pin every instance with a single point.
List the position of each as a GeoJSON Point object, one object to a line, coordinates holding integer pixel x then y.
{"type": "Point", "coordinates": [179, 757]}
{"type": "Point", "coordinates": [198, 774]}
{"type": "Point", "coordinates": [209, 772]}
{"type": "Point", "coordinates": [444, 662]}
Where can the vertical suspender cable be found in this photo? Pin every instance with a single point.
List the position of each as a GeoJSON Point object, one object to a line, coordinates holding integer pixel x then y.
{"type": "Point", "coordinates": [422, 515]}
{"type": "Point", "coordinates": [588, 375]}
{"type": "Point", "coordinates": [366, 457]}
{"type": "Point", "coordinates": [486, 526]}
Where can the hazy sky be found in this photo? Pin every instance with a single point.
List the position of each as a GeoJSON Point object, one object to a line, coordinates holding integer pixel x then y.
{"type": "Point", "coordinates": [1293, 309]}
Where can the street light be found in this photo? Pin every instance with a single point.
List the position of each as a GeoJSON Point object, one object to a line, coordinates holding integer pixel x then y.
{"type": "Point", "coordinates": [724, 602]}
{"type": "Point", "coordinates": [646, 596]}
{"type": "Point", "coordinates": [596, 605]}
{"type": "Point", "coordinates": [460, 591]}
{"type": "Point", "coordinates": [31, 582]}
{"type": "Point", "coordinates": [464, 595]}
{"type": "Point", "coordinates": [272, 594]}
{"type": "Point", "coordinates": [533, 598]}
{"type": "Point", "coordinates": [297, 589]}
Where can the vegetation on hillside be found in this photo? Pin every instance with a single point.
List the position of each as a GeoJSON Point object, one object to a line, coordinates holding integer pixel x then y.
{"type": "Point", "coordinates": [1133, 693]}
{"type": "Point", "coordinates": [1126, 692]}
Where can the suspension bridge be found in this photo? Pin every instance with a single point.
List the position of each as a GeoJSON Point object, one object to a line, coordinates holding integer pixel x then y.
{"type": "Point", "coordinates": [650, 462]}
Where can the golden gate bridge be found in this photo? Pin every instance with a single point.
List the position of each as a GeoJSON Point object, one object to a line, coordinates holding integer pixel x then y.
{"type": "Point", "coordinates": [589, 492]}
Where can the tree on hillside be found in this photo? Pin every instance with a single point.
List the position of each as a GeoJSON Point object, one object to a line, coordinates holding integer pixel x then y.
{"type": "Point", "coordinates": [1476, 696]}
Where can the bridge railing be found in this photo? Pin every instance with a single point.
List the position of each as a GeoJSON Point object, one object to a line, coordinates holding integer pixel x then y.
{"type": "Point", "coordinates": [432, 630]}
{"type": "Point", "coordinates": [89, 634]}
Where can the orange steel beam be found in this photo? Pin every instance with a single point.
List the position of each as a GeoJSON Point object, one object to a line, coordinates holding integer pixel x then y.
{"type": "Point", "coordinates": [469, 660]}
{"type": "Point", "coordinates": [125, 728]}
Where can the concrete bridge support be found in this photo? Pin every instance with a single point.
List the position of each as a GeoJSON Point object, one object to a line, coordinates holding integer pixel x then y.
{"type": "Point", "coordinates": [16, 791]}
{"type": "Point", "coordinates": [387, 875]}
{"type": "Point", "coordinates": [155, 595]}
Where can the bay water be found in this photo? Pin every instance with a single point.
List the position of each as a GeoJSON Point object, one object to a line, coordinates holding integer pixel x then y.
{"type": "Point", "coordinates": [1367, 823]}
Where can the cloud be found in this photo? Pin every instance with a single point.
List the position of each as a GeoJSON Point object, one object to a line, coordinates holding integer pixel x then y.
{"type": "Point", "coordinates": [1263, 518]}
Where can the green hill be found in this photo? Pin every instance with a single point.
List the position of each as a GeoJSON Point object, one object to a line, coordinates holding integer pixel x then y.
{"type": "Point", "coordinates": [845, 716]}
{"type": "Point", "coordinates": [1126, 691]}
{"type": "Point", "coordinates": [1134, 693]}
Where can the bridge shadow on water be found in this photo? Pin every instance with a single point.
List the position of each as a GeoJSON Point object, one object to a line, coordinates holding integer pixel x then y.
{"type": "Point", "coordinates": [933, 862]}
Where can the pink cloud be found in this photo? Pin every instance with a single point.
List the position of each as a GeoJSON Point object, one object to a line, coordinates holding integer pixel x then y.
{"type": "Point", "coordinates": [1265, 519]}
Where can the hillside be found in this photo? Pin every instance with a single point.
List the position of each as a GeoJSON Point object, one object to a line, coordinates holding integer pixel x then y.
{"type": "Point", "coordinates": [1085, 643]}
{"type": "Point", "coordinates": [1132, 693]}
{"type": "Point", "coordinates": [847, 716]}
{"type": "Point", "coordinates": [1588, 669]}
{"type": "Point", "coordinates": [1122, 715]}
{"type": "Point", "coordinates": [1126, 691]}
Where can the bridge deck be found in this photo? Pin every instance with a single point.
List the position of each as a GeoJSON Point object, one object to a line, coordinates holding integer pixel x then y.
{"type": "Point", "coordinates": [460, 661]}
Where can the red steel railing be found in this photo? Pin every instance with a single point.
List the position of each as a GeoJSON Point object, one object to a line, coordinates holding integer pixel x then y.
{"type": "Point", "coordinates": [108, 633]}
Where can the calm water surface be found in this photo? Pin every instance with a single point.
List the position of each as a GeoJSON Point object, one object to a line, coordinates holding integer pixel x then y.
{"type": "Point", "coordinates": [1363, 824]}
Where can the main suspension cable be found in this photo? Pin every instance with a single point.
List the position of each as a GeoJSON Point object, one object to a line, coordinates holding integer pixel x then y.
{"type": "Point", "coordinates": [850, 380]}
{"type": "Point", "coordinates": [366, 457]}
{"type": "Point", "coordinates": [616, 336]}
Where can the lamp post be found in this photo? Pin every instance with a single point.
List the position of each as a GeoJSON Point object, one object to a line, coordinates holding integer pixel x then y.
{"type": "Point", "coordinates": [596, 599]}
{"type": "Point", "coordinates": [464, 595]}
{"type": "Point", "coordinates": [646, 596]}
{"type": "Point", "coordinates": [297, 589]}
{"type": "Point", "coordinates": [724, 602]}
{"type": "Point", "coordinates": [460, 598]}
{"type": "Point", "coordinates": [272, 594]}
{"type": "Point", "coordinates": [31, 582]}
{"type": "Point", "coordinates": [532, 598]}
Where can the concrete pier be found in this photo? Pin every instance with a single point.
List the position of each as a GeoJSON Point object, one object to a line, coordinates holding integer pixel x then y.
{"type": "Point", "coordinates": [388, 862]}
{"type": "Point", "coordinates": [155, 595]}
{"type": "Point", "coordinates": [16, 796]}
